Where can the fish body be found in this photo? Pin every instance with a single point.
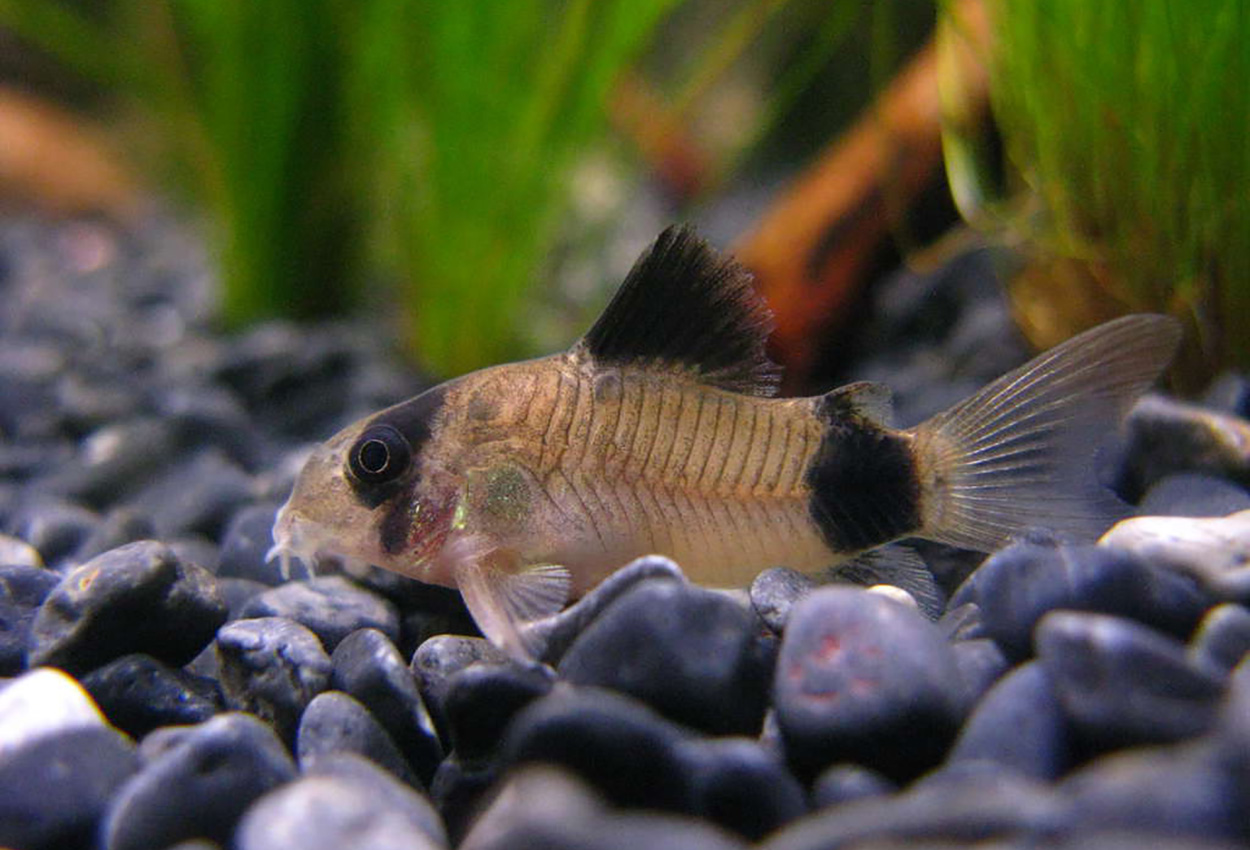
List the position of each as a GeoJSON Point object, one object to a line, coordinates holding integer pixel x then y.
{"type": "Point", "coordinates": [526, 484]}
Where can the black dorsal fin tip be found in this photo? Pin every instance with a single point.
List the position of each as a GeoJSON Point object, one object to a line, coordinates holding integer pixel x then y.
{"type": "Point", "coordinates": [684, 305]}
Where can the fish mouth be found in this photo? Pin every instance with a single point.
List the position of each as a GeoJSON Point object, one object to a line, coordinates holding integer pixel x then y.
{"type": "Point", "coordinates": [296, 538]}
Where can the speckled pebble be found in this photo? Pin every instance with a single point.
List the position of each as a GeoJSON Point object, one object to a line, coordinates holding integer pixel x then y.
{"type": "Point", "coordinates": [137, 598]}
{"type": "Point", "coordinates": [858, 678]}
{"type": "Point", "coordinates": [332, 606]}
{"type": "Point", "coordinates": [367, 665]}
{"type": "Point", "coordinates": [272, 667]}
{"type": "Point", "coordinates": [197, 784]}
{"type": "Point", "coordinates": [774, 592]}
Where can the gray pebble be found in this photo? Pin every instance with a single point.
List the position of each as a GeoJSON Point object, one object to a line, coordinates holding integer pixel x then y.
{"type": "Point", "coordinates": [136, 598]}
{"type": "Point", "coordinates": [332, 606]}
{"type": "Point", "coordinates": [441, 657]}
{"type": "Point", "coordinates": [272, 667]}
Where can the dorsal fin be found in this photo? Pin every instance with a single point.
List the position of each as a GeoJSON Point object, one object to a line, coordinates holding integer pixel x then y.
{"type": "Point", "coordinates": [685, 306]}
{"type": "Point", "coordinates": [869, 401]}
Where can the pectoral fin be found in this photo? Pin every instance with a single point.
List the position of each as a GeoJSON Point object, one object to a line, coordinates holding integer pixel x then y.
{"type": "Point", "coordinates": [504, 598]}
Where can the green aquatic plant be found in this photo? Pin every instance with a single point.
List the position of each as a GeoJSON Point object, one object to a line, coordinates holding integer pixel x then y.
{"type": "Point", "coordinates": [1127, 130]}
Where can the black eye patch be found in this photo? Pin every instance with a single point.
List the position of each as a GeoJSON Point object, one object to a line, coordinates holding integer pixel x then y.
{"type": "Point", "coordinates": [380, 455]}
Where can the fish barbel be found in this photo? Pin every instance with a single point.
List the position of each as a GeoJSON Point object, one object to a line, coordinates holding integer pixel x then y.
{"type": "Point", "coordinates": [524, 485]}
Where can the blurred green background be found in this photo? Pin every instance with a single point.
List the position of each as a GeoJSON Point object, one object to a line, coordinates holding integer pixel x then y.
{"type": "Point", "coordinates": [433, 163]}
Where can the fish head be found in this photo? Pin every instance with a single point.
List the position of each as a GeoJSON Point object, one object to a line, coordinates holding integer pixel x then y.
{"type": "Point", "coordinates": [374, 493]}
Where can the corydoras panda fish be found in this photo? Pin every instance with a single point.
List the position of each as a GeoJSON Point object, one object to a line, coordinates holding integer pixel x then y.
{"type": "Point", "coordinates": [524, 485]}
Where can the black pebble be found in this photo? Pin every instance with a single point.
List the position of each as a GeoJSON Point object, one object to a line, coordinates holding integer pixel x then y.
{"type": "Point", "coordinates": [22, 591]}
{"type": "Point", "coordinates": [138, 693]}
{"type": "Point", "coordinates": [1019, 725]}
{"type": "Point", "coordinates": [739, 785]}
{"type": "Point", "coordinates": [117, 459]}
{"type": "Point", "coordinates": [272, 667]}
{"type": "Point", "coordinates": [863, 678]}
{"type": "Point", "coordinates": [247, 539]}
{"type": "Point", "coordinates": [367, 665]}
{"type": "Point", "coordinates": [481, 700]}
{"type": "Point", "coordinates": [330, 811]}
{"type": "Point", "coordinates": [549, 809]}
{"type": "Point", "coordinates": [558, 633]}
{"type": "Point", "coordinates": [137, 598]}
{"type": "Point", "coordinates": [459, 790]}
{"type": "Point", "coordinates": [846, 783]}
{"type": "Point", "coordinates": [1017, 585]}
{"type": "Point", "coordinates": [774, 592]}
{"type": "Point", "coordinates": [335, 722]}
{"type": "Point", "coordinates": [56, 528]}
{"type": "Point", "coordinates": [438, 659]}
{"type": "Point", "coordinates": [56, 788]}
{"type": "Point", "coordinates": [615, 743]}
{"type": "Point", "coordinates": [332, 606]}
{"type": "Point", "coordinates": [1194, 495]}
{"type": "Point", "coordinates": [118, 527]}
{"type": "Point", "coordinates": [694, 655]}
{"type": "Point", "coordinates": [1121, 683]}
{"type": "Point", "coordinates": [953, 811]}
{"type": "Point", "coordinates": [197, 784]}
{"type": "Point", "coordinates": [981, 662]}
{"type": "Point", "coordinates": [1223, 637]}
{"type": "Point", "coordinates": [1185, 791]}
{"type": "Point", "coordinates": [195, 496]}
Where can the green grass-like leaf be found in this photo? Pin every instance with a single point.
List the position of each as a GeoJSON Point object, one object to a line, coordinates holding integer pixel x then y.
{"type": "Point", "coordinates": [1131, 123]}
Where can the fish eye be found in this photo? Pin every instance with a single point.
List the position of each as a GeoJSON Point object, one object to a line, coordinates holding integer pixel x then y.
{"type": "Point", "coordinates": [380, 455]}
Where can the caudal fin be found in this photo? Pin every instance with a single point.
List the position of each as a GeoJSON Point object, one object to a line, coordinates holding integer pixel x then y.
{"type": "Point", "coordinates": [1021, 452]}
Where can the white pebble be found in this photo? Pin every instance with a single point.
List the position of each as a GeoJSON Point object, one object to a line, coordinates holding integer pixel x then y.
{"type": "Point", "coordinates": [40, 703]}
{"type": "Point", "coordinates": [1204, 547]}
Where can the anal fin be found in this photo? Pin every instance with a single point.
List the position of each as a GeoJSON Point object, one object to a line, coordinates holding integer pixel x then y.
{"type": "Point", "coordinates": [504, 597]}
{"type": "Point", "coordinates": [897, 565]}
